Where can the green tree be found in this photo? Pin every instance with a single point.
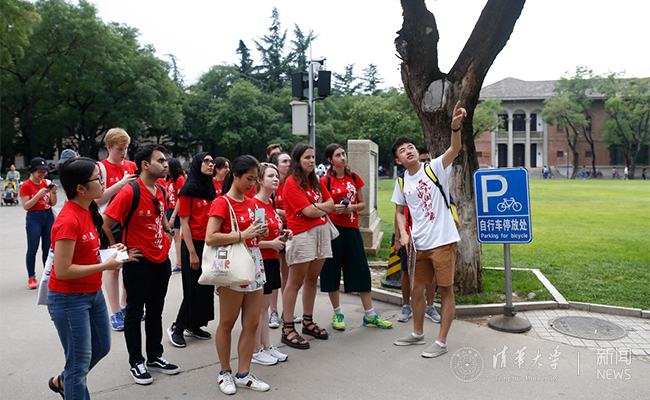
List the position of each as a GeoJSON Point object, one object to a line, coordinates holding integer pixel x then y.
{"type": "Point", "coordinates": [274, 66]}
{"type": "Point", "coordinates": [239, 119]}
{"type": "Point", "coordinates": [346, 84]}
{"type": "Point", "coordinates": [299, 46]}
{"type": "Point", "coordinates": [17, 18]}
{"type": "Point", "coordinates": [372, 80]}
{"type": "Point", "coordinates": [245, 66]}
{"type": "Point", "coordinates": [24, 74]}
{"type": "Point", "coordinates": [627, 104]}
{"type": "Point", "coordinates": [570, 108]}
{"type": "Point", "coordinates": [486, 117]}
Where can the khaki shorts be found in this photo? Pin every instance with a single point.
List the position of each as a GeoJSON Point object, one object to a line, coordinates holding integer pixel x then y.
{"type": "Point", "coordinates": [313, 244]}
{"type": "Point", "coordinates": [439, 262]}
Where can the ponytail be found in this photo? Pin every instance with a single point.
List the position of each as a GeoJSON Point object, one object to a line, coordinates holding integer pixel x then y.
{"type": "Point", "coordinates": [99, 223]}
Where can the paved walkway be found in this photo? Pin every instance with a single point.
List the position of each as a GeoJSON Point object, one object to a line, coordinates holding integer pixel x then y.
{"type": "Point", "coordinates": [359, 363]}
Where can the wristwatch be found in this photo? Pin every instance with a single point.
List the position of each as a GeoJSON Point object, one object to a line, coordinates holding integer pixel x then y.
{"type": "Point", "coordinates": [170, 231]}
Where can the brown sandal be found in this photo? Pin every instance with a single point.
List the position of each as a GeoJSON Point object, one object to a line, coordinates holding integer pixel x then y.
{"type": "Point", "coordinates": [296, 341]}
{"type": "Point", "coordinates": [309, 327]}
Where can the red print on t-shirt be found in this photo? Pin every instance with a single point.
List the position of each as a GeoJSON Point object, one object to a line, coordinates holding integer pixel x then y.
{"type": "Point", "coordinates": [425, 200]}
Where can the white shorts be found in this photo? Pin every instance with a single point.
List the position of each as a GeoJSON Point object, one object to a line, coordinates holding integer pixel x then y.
{"type": "Point", "coordinates": [313, 244]}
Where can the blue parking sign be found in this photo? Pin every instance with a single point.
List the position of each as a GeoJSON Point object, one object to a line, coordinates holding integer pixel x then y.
{"type": "Point", "coordinates": [502, 205]}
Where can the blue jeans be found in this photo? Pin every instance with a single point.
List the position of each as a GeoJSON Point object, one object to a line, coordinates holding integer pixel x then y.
{"type": "Point", "coordinates": [38, 224]}
{"type": "Point", "coordinates": [81, 320]}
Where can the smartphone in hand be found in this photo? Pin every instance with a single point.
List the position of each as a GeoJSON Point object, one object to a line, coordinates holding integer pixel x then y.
{"type": "Point", "coordinates": [50, 186]}
{"type": "Point", "coordinates": [345, 201]}
{"type": "Point", "coordinates": [260, 214]}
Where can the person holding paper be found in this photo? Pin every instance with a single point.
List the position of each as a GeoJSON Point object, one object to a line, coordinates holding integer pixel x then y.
{"type": "Point", "coordinates": [75, 300]}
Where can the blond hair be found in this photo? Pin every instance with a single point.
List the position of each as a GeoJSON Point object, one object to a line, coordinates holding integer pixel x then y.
{"type": "Point", "coordinates": [116, 136]}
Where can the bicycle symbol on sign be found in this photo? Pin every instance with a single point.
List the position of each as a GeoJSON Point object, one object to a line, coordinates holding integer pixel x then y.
{"type": "Point", "coordinates": [506, 204]}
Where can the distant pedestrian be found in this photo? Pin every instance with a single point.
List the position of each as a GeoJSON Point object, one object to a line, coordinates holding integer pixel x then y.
{"type": "Point", "coordinates": [614, 173]}
{"type": "Point", "coordinates": [626, 173]}
{"type": "Point", "coordinates": [643, 172]}
{"type": "Point", "coordinates": [174, 183]}
{"type": "Point", "coordinates": [37, 195]}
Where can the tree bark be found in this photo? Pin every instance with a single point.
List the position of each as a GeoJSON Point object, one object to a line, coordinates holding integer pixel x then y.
{"type": "Point", "coordinates": [434, 94]}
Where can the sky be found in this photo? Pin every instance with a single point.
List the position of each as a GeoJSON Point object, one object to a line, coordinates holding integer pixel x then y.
{"type": "Point", "coordinates": [550, 38]}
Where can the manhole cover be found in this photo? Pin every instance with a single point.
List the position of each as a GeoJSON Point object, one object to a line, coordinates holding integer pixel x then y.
{"type": "Point", "coordinates": [588, 328]}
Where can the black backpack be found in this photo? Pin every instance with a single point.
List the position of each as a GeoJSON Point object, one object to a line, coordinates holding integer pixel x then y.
{"type": "Point", "coordinates": [119, 229]}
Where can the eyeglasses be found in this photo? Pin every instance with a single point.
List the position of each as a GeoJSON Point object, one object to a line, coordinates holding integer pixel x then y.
{"type": "Point", "coordinates": [207, 162]}
{"type": "Point", "coordinates": [156, 205]}
{"type": "Point", "coordinates": [99, 179]}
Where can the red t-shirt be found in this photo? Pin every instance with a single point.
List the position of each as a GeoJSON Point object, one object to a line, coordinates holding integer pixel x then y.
{"type": "Point", "coordinates": [146, 227]}
{"type": "Point", "coordinates": [217, 186]}
{"type": "Point", "coordinates": [173, 188]}
{"type": "Point", "coordinates": [279, 199]}
{"type": "Point", "coordinates": [29, 188]}
{"type": "Point", "coordinates": [275, 227]}
{"type": "Point", "coordinates": [295, 199]}
{"type": "Point", "coordinates": [76, 223]}
{"type": "Point", "coordinates": [244, 210]}
{"type": "Point", "coordinates": [198, 210]}
{"type": "Point", "coordinates": [344, 188]}
{"type": "Point", "coordinates": [115, 173]}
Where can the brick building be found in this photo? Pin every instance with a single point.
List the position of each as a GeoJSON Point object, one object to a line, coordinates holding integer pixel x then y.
{"type": "Point", "coordinates": [528, 141]}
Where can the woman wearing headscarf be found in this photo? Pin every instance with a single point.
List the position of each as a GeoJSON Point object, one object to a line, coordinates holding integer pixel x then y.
{"type": "Point", "coordinates": [197, 308]}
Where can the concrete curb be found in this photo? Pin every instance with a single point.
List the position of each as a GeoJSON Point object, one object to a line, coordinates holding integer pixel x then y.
{"type": "Point", "coordinates": [499, 308]}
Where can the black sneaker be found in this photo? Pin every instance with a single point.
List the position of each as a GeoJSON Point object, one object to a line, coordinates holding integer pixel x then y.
{"type": "Point", "coordinates": [140, 374]}
{"type": "Point", "coordinates": [175, 336]}
{"type": "Point", "coordinates": [198, 333]}
{"type": "Point", "coordinates": [163, 366]}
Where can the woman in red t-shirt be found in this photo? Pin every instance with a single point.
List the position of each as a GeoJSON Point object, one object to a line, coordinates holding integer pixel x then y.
{"type": "Point", "coordinates": [221, 169]}
{"type": "Point", "coordinates": [174, 183]}
{"type": "Point", "coordinates": [248, 298]}
{"type": "Point", "coordinates": [283, 161]}
{"type": "Point", "coordinates": [306, 205]}
{"type": "Point", "coordinates": [267, 183]}
{"type": "Point", "coordinates": [348, 250]}
{"type": "Point", "coordinates": [75, 300]}
{"type": "Point", "coordinates": [37, 195]}
{"type": "Point", "coordinates": [195, 199]}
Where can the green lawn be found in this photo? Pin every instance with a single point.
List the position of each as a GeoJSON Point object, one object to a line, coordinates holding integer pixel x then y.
{"type": "Point", "coordinates": [591, 238]}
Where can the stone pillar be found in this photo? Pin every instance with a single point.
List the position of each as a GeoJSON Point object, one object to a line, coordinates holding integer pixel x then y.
{"type": "Point", "coordinates": [545, 145]}
{"type": "Point", "coordinates": [527, 146]}
{"type": "Point", "coordinates": [363, 158]}
{"type": "Point", "coordinates": [511, 147]}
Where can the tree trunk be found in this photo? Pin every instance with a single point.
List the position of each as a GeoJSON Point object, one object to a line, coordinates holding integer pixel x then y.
{"type": "Point", "coordinates": [434, 95]}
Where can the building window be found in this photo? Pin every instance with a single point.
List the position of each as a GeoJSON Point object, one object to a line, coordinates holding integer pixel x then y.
{"type": "Point", "coordinates": [588, 127]}
{"type": "Point", "coordinates": [533, 122]}
{"type": "Point", "coordinates": [479, 154]}
{"type": "Point", "coordinates": [519, 122]}
{"type": "Point", "coordinates": [560, 154]}
{"type": "Point", "coordinates": [559, 128]}
{"type": "Point", "coordinates": [587, 154]}
{"type": "Point", "coordinates": [504, 123]}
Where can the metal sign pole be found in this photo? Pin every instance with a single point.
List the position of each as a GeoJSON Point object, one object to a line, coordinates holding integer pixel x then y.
{"type": "Point", "coordinates": [510, 309]}
{"type": "Point", "coordinates": [312, 110]}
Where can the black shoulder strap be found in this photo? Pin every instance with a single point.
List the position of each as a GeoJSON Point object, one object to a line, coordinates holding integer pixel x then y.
{"type": "Point", "coordinates": [134, 205]}
{"type": "Point", "coordinates": [354, 177]}
{"type": "Point", "coordinates": [164, 192]}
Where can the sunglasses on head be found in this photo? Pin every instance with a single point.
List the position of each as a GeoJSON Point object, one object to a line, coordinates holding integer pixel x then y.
{"type": "Point", "coordinates": [156, 204]}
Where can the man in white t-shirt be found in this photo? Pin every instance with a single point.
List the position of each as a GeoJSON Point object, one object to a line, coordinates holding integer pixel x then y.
{"type": "Point", "coordinates": [433, 232]}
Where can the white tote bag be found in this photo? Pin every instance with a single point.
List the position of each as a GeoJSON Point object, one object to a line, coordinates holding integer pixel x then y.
{"type": "Point", "coordinates": [230, 265]}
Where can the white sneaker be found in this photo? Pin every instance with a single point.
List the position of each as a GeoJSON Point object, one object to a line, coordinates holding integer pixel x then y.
{"type": "Point", "coordinates": [226, 383]}
{"type": "Point", "coordinates": [250, 381]}
{"type": "Point", "coordinates": [274, 321]}
{"type": "Point", "coordinates": [277, 354]}
{"type": "Point", "coordinates": [263, 358]}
